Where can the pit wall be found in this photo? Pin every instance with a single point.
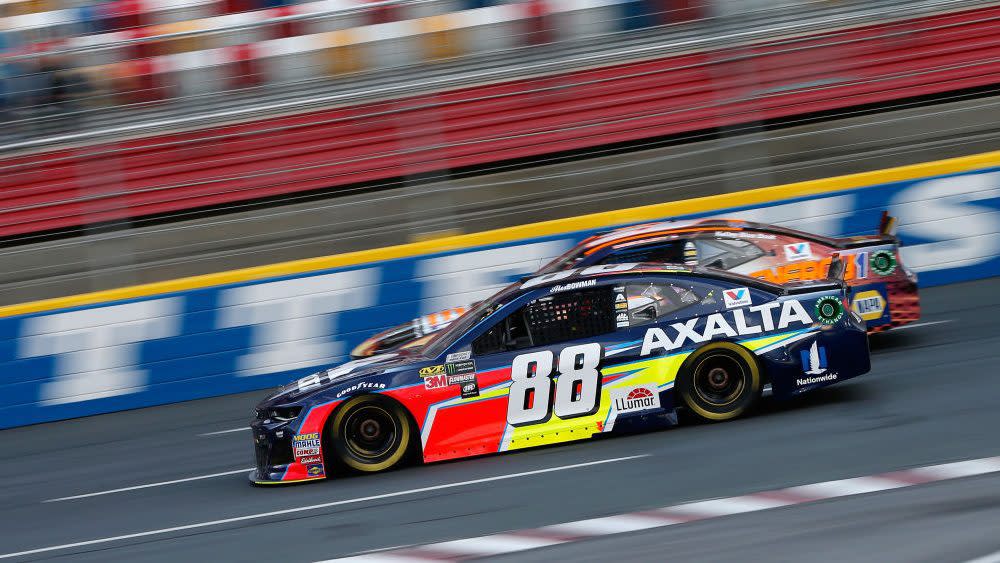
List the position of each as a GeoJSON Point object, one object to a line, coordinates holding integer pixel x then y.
{"type": "Point", "coordinates": [260, 327]}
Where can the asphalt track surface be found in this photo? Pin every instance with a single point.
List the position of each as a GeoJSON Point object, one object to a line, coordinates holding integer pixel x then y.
{"type": "Point", "coordinates": [932, 397]}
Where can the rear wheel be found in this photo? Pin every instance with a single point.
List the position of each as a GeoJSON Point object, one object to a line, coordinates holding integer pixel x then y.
{"type": "Point", "coordinates": [720, 381]}
{"type": "Point", "coordinates": [370, 433]}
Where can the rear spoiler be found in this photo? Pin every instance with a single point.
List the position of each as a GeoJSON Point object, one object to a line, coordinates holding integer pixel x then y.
{"type": "Point", "coordinates": [887, 225]}
{"type": "Point", "coordinates": [886, 235]}
{"type": "Point", "coordinates": [834, 279]}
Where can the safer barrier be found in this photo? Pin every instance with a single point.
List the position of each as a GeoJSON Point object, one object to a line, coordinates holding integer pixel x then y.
{"type": "Point", "coordinates": [260, 327]}
{"type": "Point", "coordinates": [485, 124]}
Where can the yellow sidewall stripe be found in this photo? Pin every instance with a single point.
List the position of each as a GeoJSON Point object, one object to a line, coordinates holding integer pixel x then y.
{"type": "Point", "coordinates": [519, 232]}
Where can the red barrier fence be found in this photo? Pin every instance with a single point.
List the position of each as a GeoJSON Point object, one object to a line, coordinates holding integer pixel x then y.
{"type": "Point", "coordinates": [479, 125]}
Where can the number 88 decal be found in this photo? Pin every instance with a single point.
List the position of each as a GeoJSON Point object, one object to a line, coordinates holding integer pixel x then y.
{"type": "Point", "coordinates": [578, 391]}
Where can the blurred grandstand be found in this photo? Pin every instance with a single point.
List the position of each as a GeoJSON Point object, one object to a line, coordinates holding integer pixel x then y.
{"type": "Point", "coordinates": [132, 112]}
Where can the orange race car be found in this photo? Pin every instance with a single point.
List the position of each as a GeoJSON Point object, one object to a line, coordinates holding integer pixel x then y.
{"type": "Point", "coordinates": [883, 291]}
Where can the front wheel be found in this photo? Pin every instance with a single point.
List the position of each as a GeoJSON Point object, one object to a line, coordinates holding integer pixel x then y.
{"type": "Point", "coordinates": [720, 381]}
{"type": "Point", "coordinates": [369, 433]}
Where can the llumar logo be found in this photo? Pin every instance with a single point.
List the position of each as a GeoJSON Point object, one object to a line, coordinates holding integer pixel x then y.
{"type": "Point", "coordinates": [631, 399]}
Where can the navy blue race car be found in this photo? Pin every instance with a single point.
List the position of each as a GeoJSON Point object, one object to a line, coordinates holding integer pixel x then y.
{"type": "Point", "coordinates": [566, 356]}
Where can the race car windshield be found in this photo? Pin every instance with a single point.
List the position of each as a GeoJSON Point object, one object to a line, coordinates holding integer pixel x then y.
{"type": "Point", "coordinates": [439, 341]}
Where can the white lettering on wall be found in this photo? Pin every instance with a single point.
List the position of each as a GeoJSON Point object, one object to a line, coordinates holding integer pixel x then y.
{"type": "Point", "coordinates": [944, 211]}
{"type": "Point", "coordinates": [97, 351]}
{"type": "Point", "coordinates": [823, 216]}
{"type": "Point", "coordinates": [294, 321]}
{"type": "Point", "coordinates": [461, 279]}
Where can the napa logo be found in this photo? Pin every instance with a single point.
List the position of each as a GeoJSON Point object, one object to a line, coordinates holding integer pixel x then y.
{"type": "Point", "coordinates": [869, 305]}
{"type": "Point", "coordinates": [736, 297]}
{"type": "Point", "coordinates": [798, 251]}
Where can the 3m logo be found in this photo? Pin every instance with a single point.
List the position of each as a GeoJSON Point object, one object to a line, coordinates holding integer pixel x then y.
{"type": "Point", "coordinates": [798, 251]}
{"type": "Point", "coordinates": [436, 381]}
{"type": "Point", "coordinates": [736, 297]}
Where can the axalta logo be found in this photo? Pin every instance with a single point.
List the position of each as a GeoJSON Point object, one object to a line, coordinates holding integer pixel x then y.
{"type": "Point", "coordinates": [359, 386]}
{"type": "Point", "coordinates": [632, 399]}
{"type": "Point", "coordinates": [792, 313]}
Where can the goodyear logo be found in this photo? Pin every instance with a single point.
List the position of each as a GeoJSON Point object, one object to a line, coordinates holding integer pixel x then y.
{"type": "Point", "coordinates": [431, 370]}
{"type": "Point", "coordinates": [869, 305]}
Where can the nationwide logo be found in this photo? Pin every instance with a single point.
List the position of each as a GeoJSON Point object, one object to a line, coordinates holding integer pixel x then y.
{"type": "Point", "coordinates": [811, 380]}
{"type": "Point", "coordinates": [798, 251]}
{"type": "Point", "coordinates": [815, 359]}
{"type": "Point", "coordinates": [620, 298]}
{"type": "Point", "coordinates": [736, 297]}
{"type": "Point", "coordinates": [574, 285]}
{"type": "Point", "coordinates": [633, 399]}
{"type": "Point", "coordinates": [814, 364]}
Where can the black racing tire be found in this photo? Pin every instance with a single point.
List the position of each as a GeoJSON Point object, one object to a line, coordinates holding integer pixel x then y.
{"type": "Point", "coordinates": [369, 433]}
{"type": "Point", "coordinates": [719, 381]}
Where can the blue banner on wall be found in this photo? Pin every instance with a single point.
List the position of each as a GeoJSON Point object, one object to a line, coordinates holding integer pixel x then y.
{"type": "Point", "coordinates": [227, 339]}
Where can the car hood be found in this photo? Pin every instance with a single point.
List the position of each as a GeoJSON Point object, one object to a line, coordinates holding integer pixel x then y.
{"type": "Point", "coordinates": [324, 378]}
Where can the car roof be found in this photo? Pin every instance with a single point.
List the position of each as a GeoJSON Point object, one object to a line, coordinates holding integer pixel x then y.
{"type": "Point", "coordinates": [661, 228]}
{"type": "Point", "coordinates": [582, 275]}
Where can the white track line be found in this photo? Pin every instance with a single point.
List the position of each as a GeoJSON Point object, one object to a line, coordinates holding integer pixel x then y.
{"type": "Point", "coordinates": [240, 429]}
{"type": "Point", "coordinates": [260, 515]}
{"type": "Point", "coordinates": [524, 540]}
{"type": "Point", "coordinates": [918, 325]}
{"type": "Point", "coordinates": [991, 558]}
{"type": "Point", "coordinates": [148, 485]}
